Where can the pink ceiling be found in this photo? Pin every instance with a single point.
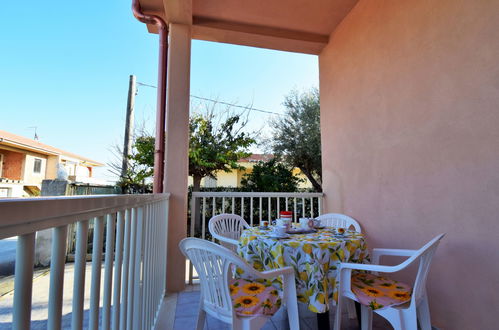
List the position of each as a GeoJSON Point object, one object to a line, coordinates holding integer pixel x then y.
{"type": "Point", "coordinates": [313, 16]}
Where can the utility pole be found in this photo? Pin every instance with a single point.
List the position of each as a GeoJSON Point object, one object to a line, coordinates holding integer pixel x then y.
{"type": "Point", "coordinates": [127, 146]}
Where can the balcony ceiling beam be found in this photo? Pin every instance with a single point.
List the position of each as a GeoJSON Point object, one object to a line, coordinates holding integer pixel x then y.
{"type": "Point", "coordinates": [210, 29]}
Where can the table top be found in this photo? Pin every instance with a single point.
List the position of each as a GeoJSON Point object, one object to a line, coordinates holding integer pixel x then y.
{"type": "Point", "coordinates": [314, 257]}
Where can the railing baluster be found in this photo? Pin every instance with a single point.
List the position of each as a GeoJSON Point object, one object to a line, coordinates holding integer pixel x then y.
{"type": "Point", "coordinates": [278, 206]}
{"type": "Point", "coordinates": [269, 211]}
{"type": "Point", "coordinates": [108, 272]}
{"type": "Point", "coordinates": [251, 211]}
{"type": "Point", "coordinates": [320, 205]}
{"type": "Point", "coordinates": [223, 205]}
{"type": "Point", "coordinates": [203, 223]}
{"type": "Point", "coordinates": [96, 273]}
{"type": "Point", "coordinates": [59, 240]}
{"type": "Point", "coordinates": [261, 206]}
{"type": "Point", "coordinates": [233, 205]}
{"type": "Point", "coordinates": [23, 281]}
{"type": "Point", "coordinates": [303, 207]}
{"type": "Point", "coordinates": [144, 270]}
{"type": "Point", "coordinates": [242, 207]}
{"type": "Point", "coordinates": [312, 206]}
{"type": "Point", "coordinates": [294, 213]}
{"type": "Point", "coordinates": [126, 269]}
{"type": "Point", "coordinates": [137, 319]}
{"type": "Point", "coordinates": [79, 274]}
{"type": "Point", "coordinates": [148, 265]}
{"type": "Point", "coordinates": [118, 264]}
{"type": "Point", "coordinates": [214, 207]}
{"type": "Point", "coordinates": [131, 276]}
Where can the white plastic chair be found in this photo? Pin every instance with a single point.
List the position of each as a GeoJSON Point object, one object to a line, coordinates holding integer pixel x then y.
{"type": "Point", "coordinates": [227, 229]}
{"type": "Point", "coordinates": [337, 220]}
{"type": "Point", "coordinates": [403, 316]}
{"type": "Point", "coordinates": [213, 264]}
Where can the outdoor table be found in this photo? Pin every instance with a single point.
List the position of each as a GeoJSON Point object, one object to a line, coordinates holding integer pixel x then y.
{"type": "Point", "coordinates": [314, 257]}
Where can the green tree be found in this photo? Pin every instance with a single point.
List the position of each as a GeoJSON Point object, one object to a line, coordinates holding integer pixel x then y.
{"type": "Point", "coordinates": [215, 147]}
{"type": "Point", "coordinates": [141, 164]}
{"type": "Point", "coordinates": [270, 176]}
{"type": "Point", "coordinates": [296, 136]}
{"type": "Point", "coordinates": [212, 147]}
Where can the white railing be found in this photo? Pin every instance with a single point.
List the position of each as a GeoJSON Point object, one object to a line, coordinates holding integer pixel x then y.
{"type": "Point", "coordinates": [252, 206]}
{"type": "Point", "coordinates": [134, 261]}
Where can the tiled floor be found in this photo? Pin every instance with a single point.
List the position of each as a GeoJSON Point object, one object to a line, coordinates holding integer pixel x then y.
{"type": "Point", "coordinates": [187, 312]}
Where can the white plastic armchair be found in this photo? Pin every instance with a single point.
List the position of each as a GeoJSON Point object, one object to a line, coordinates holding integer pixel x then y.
{"type": "Point", "coordinates": [227, 229]}
{"type": "Point", "coordinates": [403, 316]}
{"type": "Point", "coordinates": [337, 220]}
{"type": "Point", "coordinates": [214, 263]}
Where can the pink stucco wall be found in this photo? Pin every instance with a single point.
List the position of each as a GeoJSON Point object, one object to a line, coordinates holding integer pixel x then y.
{"type": "Point", "coordinates": [410, 124]}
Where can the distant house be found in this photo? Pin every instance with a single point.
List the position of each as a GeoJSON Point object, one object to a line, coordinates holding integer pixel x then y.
{"type": "Point", "coordinates": [25, 163]}
{"type": "Point", "coordinates": [233, 178]}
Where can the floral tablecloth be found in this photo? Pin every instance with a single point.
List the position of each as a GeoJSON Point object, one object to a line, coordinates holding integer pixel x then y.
{"type": "Point", "coordinates": [314, 257]}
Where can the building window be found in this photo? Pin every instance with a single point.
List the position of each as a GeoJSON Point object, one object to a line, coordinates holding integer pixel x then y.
{"type": "Point", "coordinates": [37, 168]}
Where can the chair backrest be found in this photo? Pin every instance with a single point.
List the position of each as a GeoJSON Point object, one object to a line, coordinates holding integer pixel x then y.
{"type": "Point", "coordinates": [337, 220]}
{"type": "Point", "coordinates": [212, 263]}
{"type": "Point", "coordinates": [424, 255]}
{"type": "Point", "coordinates": [228, 226]}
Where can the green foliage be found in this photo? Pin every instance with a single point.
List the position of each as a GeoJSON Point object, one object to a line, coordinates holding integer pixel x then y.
{"type": "Point", "coordinates": [214, 147]}
{"type": "Point", "coordinates": [141, 165]}
{"type": "Point", "coordinates": [296, 137]}
{"type": "Point", "coordinates": [270, 176]}
{"type": "Point", "coordinates": [144, 151]}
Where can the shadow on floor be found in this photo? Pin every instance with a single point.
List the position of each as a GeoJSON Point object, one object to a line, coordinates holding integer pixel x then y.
{"type": "Point", "coordinates": [187, 312]}
{"type": "Point", "coordinates": [43, 324]}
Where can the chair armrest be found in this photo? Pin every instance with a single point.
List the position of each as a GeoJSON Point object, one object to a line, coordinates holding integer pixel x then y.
{"type": "Point", "coordinates": [226, 240]}
{"type": "Point", "coordinates": [370, 267]}
{"type": "Point", "coordinates": [377, 253]}
{"type": "Point", "coordinates": [277, 272]}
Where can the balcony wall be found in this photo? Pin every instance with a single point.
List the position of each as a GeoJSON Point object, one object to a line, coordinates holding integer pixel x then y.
{"type": "Point", "coordinates": [409, 95]}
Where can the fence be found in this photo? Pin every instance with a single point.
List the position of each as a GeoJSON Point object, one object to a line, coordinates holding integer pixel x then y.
{"type": "Point", "coordinates": [134, 263]}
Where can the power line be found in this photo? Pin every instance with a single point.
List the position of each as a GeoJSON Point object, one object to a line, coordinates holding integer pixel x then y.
{"type": "Point", "coordinates": [221, 102]}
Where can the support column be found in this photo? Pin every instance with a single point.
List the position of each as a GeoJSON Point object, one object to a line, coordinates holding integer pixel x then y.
{"type": "Point", "coordinates": [176, 150]}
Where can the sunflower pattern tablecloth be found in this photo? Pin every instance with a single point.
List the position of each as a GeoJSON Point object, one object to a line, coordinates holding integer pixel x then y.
{"type": "Point", "coordinates": [314, 257]}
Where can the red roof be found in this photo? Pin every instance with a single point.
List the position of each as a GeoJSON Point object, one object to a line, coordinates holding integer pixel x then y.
{"type": "Point", "coordinates": [257, 158]}
{"type": "Point", "coordinates": [33, 145]}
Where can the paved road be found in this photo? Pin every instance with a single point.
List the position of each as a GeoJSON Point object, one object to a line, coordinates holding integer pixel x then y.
{"type": "Point", "coordinates": [7, 255]}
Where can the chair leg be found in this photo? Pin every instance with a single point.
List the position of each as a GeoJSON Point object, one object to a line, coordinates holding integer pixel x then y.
{"type": "Point", "coordinates": [366, 317]}
{"type": "Point", "coordinates": [337, 316]}
{"type": "Point", "coordinates": [408, 320]}
{"type": "Point", "coordinates": [423, 312]}
{"type": "Point", "coordinates": [201, 319]}
{"type": "Point", "coordinates": [351, 309]}
{"type": "Point", "coordinates": [291, 302]}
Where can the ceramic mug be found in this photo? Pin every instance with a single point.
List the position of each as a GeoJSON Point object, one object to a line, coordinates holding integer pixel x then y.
{"type": "Point", "coordinates": [317, 222]}
{"type": "Point", "coordinates": [283, 222]}
{"type": "Point", "coordinates": [264, 224]}
{"type": "Point", "coordinates": [306, 223]}
{"type": "Point", "coordinates": [280, 230]}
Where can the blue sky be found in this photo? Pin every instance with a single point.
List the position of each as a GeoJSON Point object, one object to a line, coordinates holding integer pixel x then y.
{"type": "Point", "coordinates": [64, 67]}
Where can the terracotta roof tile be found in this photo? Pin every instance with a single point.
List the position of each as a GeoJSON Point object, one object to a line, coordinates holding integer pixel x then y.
{"type": "Point", "coordinates": [256, 158]}
{"type": "Point", "coordinates": [20, 141]}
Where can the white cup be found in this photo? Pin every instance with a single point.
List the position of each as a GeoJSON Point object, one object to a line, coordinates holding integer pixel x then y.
{"type": "Point", "coordinates": [280, 230]}
{"type": "Point", "coordinates": [283, 222]}
{"type": "Point", "coordinates": [306, 223]}
{"type": "Point", "coordinates": [317, 222]}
